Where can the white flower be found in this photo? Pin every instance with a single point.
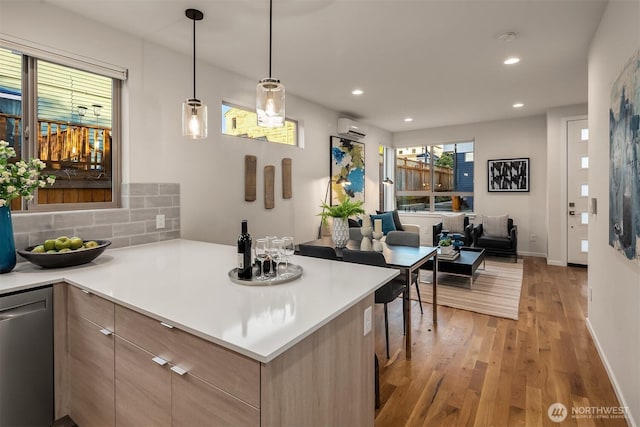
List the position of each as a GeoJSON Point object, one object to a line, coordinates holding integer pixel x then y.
{"type": "Point", "coordinates": [21, 178]}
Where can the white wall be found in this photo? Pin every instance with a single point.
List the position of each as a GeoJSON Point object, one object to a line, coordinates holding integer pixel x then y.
{"type": "Point", "coordinates": [557, 180]}
{"type": "Point", "coordinates": [210, 172]}
{"type": "Point", "coordinates": [614, 312]}
{"type": "Point", "coordinates": [525, 137]}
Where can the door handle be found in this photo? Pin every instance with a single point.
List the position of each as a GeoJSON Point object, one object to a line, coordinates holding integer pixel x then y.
{"type": "Point", "coordinates": [178, 370]}
{"type": "Point", "coordinates": [22, 310]}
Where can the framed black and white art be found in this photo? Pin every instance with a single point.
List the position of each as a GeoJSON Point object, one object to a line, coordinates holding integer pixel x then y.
{"type": "Point", "coordinates": [508, 175]}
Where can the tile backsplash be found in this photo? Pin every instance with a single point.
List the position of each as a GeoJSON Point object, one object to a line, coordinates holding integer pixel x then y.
{"type": "Point", "coordinates": [133, 224]}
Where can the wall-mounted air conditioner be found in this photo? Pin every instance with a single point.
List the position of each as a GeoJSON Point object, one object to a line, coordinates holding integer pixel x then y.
{"type": "Point", "coordinates": [351, 128]}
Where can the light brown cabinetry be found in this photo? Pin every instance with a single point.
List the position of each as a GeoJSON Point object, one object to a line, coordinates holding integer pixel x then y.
{"type": "Point", "coordinates": [122, 368]}
{"type": "Point", "coordinates": [90, 359]}
{"type": "Point", "coordinates": [180, 379]}
{"type": "Point", "coordinates": [143, 388]}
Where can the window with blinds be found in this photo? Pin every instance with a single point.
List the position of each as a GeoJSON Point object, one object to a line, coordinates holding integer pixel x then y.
{"type": "Point", "coordinates": [74, 129]}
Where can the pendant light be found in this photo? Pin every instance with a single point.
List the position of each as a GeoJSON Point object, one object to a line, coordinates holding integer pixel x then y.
{"type": "Point", "coordinates": [194, 111]}
{"type": "Point", "coordinates": [270, 92]}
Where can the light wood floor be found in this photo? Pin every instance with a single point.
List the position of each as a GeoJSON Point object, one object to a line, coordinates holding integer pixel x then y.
{"type": "Point", "coordinates": [478, 370]}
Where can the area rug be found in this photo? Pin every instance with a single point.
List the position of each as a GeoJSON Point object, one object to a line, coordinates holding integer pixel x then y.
{"type": "Point", "coordinates": [495, 290]}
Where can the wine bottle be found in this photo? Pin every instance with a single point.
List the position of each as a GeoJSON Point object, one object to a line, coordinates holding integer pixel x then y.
{"type": "Point", "coordinates": [245, 269]}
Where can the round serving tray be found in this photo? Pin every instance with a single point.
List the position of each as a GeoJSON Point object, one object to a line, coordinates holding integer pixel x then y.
{"type": "Point", "coordinates": [292, 272]}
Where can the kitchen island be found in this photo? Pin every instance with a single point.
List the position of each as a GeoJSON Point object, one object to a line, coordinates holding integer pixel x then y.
{"type": "Point", "coordinates": [301, 345]}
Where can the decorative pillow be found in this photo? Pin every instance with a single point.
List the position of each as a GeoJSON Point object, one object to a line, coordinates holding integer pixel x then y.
{"type": "Point", "coordinates": [454, 223]}
{"type": "Point", "coordinates": [495, 226]}
{"type": "Point", "coordinates": [387, 222]}
{"type": "Point", "coordinates": [396, 219]}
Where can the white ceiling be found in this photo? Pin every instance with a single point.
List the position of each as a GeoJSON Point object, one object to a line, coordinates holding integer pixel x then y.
{"type": "Point", "coordinates": [438, 61]}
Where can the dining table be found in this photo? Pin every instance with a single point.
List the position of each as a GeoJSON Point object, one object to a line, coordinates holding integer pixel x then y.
{"type": "Point", "coordinates": [407, 259]}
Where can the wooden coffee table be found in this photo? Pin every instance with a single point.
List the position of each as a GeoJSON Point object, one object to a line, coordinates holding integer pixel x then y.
{"type": "Point", "coordinates": [464, 265]}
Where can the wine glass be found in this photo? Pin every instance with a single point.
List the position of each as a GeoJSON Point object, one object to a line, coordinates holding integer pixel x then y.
{"type": "Point", "coordinates": [260, 250]}
{"type": "Point", "coordinates": [289, 250]}
{"type": "Point", "coordinates": [277, 253]}
{"type": "Point", "coordinates": [270, 250]}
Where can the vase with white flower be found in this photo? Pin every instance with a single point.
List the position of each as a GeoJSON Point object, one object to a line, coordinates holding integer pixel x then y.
{"type": "Point", "coordinates": [17, 179]}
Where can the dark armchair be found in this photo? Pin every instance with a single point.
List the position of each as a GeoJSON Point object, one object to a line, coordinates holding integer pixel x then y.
{"type": "Point", "coordinates": [507, 245]}
{"type": "Point", "coordinates": [467, 235]}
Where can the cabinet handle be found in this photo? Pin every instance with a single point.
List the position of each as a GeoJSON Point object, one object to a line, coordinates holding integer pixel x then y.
{"type": "Point", "coordinates": [106, 331]}
{"type": "Point", "coordinates": [178, 370]}
{"type": "Point", "coordinates": [159, 360]}
{"type": "Point", "coordinates": [85, 291]}
{"type": "Point", "coordinates": [166, 325]}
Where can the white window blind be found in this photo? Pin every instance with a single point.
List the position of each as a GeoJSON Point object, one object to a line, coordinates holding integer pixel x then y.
{"type": "Point", "coordinates": [61, 57]}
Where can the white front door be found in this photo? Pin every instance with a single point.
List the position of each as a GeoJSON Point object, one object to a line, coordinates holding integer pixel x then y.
{"type": "Point", "coordinates": [577, 191]}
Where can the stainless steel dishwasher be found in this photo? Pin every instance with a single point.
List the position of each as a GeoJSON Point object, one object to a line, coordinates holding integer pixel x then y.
{"type": "Point", "coordinates": [26, 358]}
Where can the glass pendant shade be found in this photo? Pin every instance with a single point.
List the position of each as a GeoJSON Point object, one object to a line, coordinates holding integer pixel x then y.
{"type": "Point", "coordinates": [194, 119]}
{"type": "Point", "coordinates": [270, 103]}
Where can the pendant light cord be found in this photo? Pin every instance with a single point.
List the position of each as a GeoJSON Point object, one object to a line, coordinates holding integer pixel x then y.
{"type": "Point", "coordinates": [194, 59]}
{"type": "Point", "coordinates": [270, 31]}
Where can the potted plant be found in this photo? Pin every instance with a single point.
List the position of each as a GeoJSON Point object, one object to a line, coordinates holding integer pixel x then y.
{"type": "Point", "coordinates": [340, 213]}
{"type": "Point", "coordinates": [445, 245]}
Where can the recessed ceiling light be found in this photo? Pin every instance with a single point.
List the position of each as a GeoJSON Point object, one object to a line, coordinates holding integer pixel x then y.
{"type": "Point", "coordinates": [508, 37]}
{"type": "Point", "coordinates": [518, 105]}
{"type": "Point", "coordinates": [408, 119]}
{"type": "Point", "coordinates": [511, 60]}
{"type": "Point", "coordinates": [357, 92]}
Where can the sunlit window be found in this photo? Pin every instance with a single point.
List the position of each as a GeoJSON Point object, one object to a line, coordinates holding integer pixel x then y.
{"type": "Point", "coordinates": [435, 177]}
{"type": "Point", "coordinates": [584, 190]}
{"type": "Point", "coordinates": [243, 122]}
{"type": "Point", "coordinates": [72, 131]}
{"type": "Point", "coordinates": [584, 246]}
{"type": "Point", "coordinates": [584, 134]}
{"type": "Point", "coordinates": [584, 162]}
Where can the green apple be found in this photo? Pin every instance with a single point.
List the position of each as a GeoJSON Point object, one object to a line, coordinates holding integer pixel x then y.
{"type": "Point", "coordinates": [49, 244]}
{"type": "Point", "coordinates": [38, 249]}
{"type": "Point", "coordinates": [52, 251]}
{"type": "Point", "coordinates": [63, 242]}
{"type": "Point", "coordinates": [64, 250]}
{"type": "Point", "coordinates": [91, 244]}
{"type": "Point", "coordinates": [76, 242]}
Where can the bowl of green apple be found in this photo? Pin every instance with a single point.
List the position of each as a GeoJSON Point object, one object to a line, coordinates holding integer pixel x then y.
{"type": "Point", "coordinates": [64, 251]}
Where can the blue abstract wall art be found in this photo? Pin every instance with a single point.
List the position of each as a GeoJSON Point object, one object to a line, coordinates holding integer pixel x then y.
{"type": "Point", "coordinates": [347, 162]}
{"type": "Point", "coordinates": [624, 160]}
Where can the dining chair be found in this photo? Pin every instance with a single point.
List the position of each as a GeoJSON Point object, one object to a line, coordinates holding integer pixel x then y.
{"type": "Point", "coordinates": [385, 294]}
{"type": "Point", "coordinates": [406, 238]}
{"type": "Point", "coordinates": [314, 251]}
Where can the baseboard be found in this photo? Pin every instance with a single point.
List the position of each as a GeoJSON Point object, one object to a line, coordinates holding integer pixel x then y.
{"type": "Point", "coordinates": [612, 377]}
{"type": "Point", "coordinates": [534, 254]}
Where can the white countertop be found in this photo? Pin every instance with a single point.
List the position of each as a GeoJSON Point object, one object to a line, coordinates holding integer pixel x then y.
{"type": "Point", "coordinates": [186, 283]}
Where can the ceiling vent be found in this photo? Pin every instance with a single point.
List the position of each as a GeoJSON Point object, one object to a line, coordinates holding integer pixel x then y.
{"type": "Point", "coordinates": [351, 128]}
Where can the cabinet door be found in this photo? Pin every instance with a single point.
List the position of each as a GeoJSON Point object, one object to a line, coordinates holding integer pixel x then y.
{"type": "Point", "coordinates": [196, 403]}
{"type": "Point", "coordinates": [143, 388]}
{"type": "Point", "coordinates": [91, 373]}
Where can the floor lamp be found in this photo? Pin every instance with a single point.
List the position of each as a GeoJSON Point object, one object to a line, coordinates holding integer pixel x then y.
{"type": "Point", "coordinates": [342, 181]}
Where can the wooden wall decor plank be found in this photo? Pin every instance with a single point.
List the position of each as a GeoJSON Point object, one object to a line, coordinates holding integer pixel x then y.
{"type": "Point", "coordinates": [250, 165]}
{"type": "Point", "coordinates": [286, 178]}
{"type": "Point", "coordinates": [269, 180]}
